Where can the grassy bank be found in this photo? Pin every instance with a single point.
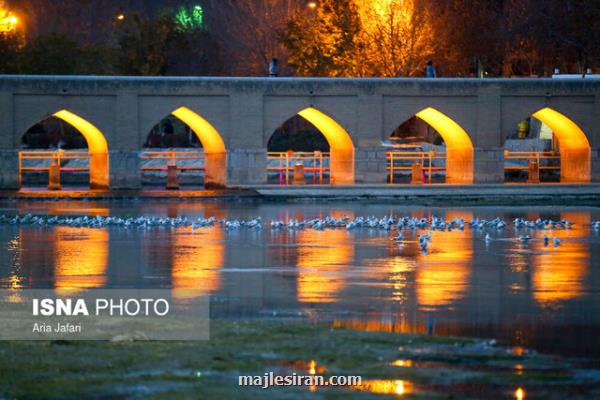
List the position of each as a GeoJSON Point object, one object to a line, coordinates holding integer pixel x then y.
{"type": "Point", "coordinates": [390, 364]}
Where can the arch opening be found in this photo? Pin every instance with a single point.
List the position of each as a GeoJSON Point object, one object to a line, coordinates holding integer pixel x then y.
{"type": "Point", "coordinates": [57, 140]}
{"type": "Point", "coordinates": [317, 142]}
{"type": "Point", "coordinates": [547, 147]}
{"type": "Point", "coordinates": [191, 144]}
{"type": "Point", "coordinates": [438, 150]}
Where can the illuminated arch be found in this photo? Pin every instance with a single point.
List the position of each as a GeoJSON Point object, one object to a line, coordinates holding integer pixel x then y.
{"type": "Point", "coordinates": [97, 147]}
{"type": "Point", "coordinates": [212, 142]}
{"type": "Point", "coordinates": [574, 146]}
{"type": "Point", "coordinates": [459, 148]}
{"type": "Point", "coordinates": [340, 144]}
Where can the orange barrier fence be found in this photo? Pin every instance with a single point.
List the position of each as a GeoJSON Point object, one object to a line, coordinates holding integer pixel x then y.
{"type": "Point", "coordinates": [532, 156]}
{"type": "Point", "coordinates": [315, 163]}
{"type": "Point", "coordinates": [171, 157]}
{"type": "Point", "coordinates": [407, 160]}
{"type": "Point", "coordinates": [534, 159]}
{"type": "Point", "coordinates": [49, 159]}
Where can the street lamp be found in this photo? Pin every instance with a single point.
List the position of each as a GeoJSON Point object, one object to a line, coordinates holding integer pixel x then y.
{"type": "Point", "coordinates": [312, 4]}
{"type": "Point", "coordinates": [120, 17]}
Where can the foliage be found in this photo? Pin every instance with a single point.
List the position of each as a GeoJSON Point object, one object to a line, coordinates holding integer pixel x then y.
{"type": "Point", "coordinates": [10, 47]}
{"type": "Point", "coordinates": [51, 54]}
{"type": "Point", "coordinates": [324, 44]}
{"type": "Point", "coordinates": [143, 45]}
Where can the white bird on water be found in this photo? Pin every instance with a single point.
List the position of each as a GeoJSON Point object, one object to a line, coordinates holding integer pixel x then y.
{"type": "Point", "coordinates": [556, 242]}
{"type": "Point", "coordinates": [524, 238]}
{"type": "Point", "coordinates": [488, 238]}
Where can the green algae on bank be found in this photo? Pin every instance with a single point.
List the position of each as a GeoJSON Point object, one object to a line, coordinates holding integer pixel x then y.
{"type": "Point", "coordinates": [415, 366]}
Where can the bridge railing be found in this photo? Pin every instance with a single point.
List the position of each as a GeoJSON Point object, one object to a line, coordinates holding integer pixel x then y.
{"type": "Point", "coordinates": [537, 156]}
{"type": "Point", "coordinates": [531, 161]}
{"type": "Point", "coordinates": [315, 163]}
{"type": "Point", "coordinates": [398, 161]}
{"type": "Point", "coordinates": [183, 160]}
{"type": "Point", "coordinates": [42, 160]}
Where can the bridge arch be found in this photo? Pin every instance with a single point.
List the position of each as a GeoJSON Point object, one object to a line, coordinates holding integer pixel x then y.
{"type": "Point", "coordinates": [215, 152]}
{"type": "Point", "coordinates": [341, 147]}
{"type": "Point", "coordinates": [575, 152]}
{"type": "Point", "coordinates": [557, 144]}
{"type": "Point", "coordinates": [459, 147]}
{"type": "Point", "coordinates": [96, 143]}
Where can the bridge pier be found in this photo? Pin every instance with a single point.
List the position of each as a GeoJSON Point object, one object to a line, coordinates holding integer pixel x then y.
{"type": "Point", "coordinates": [370, 165]}
{"type": "Point", "coordinates": [595, 167]}
{"type": "Point", "coordinates": [488, 165]}
{"type": "Point", "coordinates": [247, 166]}
{"type": "Point", "coordinates": [125, 170]}
{"type": "Point", "coordinates": [9, 170]}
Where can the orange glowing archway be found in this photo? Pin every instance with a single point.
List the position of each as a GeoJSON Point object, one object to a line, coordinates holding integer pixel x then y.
{"type": "Point", "coordinates": [575, 159]}
{"type": "Point", "coordinates": [214, 148]}
{"type": "Point", "coordinates": [340, 144]}
{"type": "Point", "coordinates": [459, 148]}
{"type": "Point", "coordinates": [97, 147]}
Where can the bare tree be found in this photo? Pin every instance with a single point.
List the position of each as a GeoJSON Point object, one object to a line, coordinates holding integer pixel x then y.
{"type": "Point", "coordinates": [249, 31]}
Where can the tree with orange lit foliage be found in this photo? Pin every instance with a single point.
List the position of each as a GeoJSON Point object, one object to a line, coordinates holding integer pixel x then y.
{"type": "Point", "coordinates": [326, 42]}
{"type": "Point", "coordinates": [396, 38]}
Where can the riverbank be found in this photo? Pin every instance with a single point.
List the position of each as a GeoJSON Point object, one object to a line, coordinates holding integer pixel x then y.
{"type": "Point", "coordinates": [418, 366]}
{"type": "Point", "coordinates": [554, 194]}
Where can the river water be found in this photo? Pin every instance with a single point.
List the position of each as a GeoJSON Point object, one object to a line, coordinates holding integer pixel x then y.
{"type": "Point", "coordinates": [526, 296]}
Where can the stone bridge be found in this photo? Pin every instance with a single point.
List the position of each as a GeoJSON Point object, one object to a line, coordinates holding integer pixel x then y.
{"type": "Point", "coordinates": [235, 117]}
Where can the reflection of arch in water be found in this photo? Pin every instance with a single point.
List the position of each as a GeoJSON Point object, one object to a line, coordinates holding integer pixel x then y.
{"type": "Point", "coordinates": [197, 259]}
{"type": "Point", "coordinates": [442, 275]}
{"type": "Point", "coordinates": [215, 153]}
{"type": "Point", "coordinates": [459, 148]}
{"type": "Point", "coordinates": [574, 146]}
{"type": "Point", "coordinates": [323, 257]}
{"type": "Point", "coordinates": [97, 147]}
{"type": "Point", "coordinates": [81, 258]}
{"type": "Point", "coordinates": [559, 272]}
{"type": "Point", "coordinates": [341, 147]}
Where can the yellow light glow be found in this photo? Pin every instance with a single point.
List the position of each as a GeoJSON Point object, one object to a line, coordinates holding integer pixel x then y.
{"type": "Point", "coordinates": [397, 387]}
{"type": "Point", "coordinates": [121, 17]}
{"type": "Point", "coordinates": [95, 139]}
{"type": "Point", "coordinates": [323, 257]}
{"type": "Point", "coordinates": [212, 143]}
{"type": "Point", "coordinates": [207, 134]}
{"type": "Point", "coordinates": [459, 148]}
{"type": "Point", "coordinates": [340, 145]}
{"type": "Point", "coordinates": [312, 4]}
{"type": "Point", "coordinates": [81, 258]}
{"type": "Point", "coordinates": [575, 164]}
{"type": "Point", "coordinates": [442, 275]}
{"type": "Point", "coordinates": [520, 394]}
{"type": "Point", "coordinates": [559, 273]}
{"type": "Point", "coordinates": [8, 21]}
{"type": "Point", "coordinates": [197, 259]}
{"type": "Point", "coordinates": [97, 147]}
{"type": "Point", "coordinates": [402, 363]}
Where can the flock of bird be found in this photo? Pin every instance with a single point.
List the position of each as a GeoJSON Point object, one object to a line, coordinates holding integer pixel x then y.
{"type": "Point", "coordinates": [521, 226]}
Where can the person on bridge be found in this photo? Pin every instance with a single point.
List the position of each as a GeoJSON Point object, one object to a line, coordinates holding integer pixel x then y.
{"type": "Point", "coordinates": [430, 70]}
{"type": "Point", "coordinates": [273, 68]}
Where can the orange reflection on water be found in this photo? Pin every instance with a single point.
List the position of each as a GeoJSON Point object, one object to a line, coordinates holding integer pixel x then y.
{"type": "Point", "coordinates": [559, 272]}
{"type": "Point", "coordinates": [81, 258]}
{"type": "Point", "coordinates": [369, 324]}
{"type": "Point", "coordinates": [382, 386]}
{"type": "Point", "coordinates": [323, 257]}
{"type": "Point", "coordinates": [442, 275]}
{"type": "Point", "coordinates": [197, 258]}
